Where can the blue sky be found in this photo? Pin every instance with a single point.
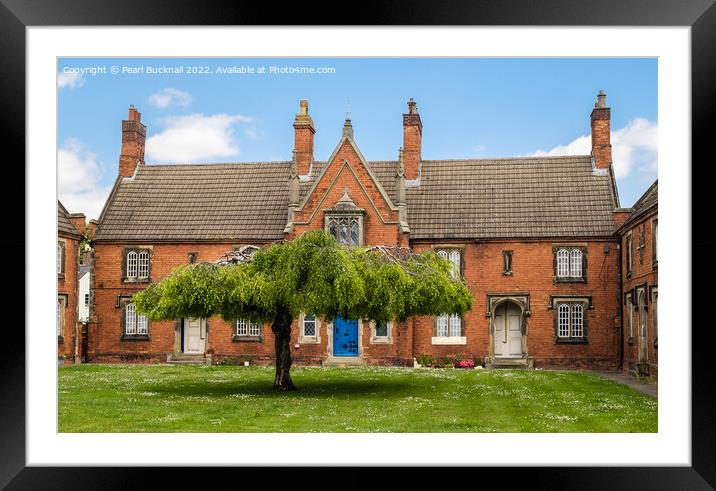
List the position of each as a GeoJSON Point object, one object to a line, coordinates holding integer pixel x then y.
{"type": "Point", "coordinates": [470, 108]}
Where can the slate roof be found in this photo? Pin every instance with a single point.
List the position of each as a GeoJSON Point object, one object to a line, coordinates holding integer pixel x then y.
{"type": "Point", "coordinates": [649, 201]}
{"type": "Point", "coordinates": [64, 225]}
{"type": "Point", "coordinates": [462, 199]}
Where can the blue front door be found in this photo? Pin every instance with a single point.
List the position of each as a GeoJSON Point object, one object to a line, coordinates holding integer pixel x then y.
{"type": "Point", "coordinates": [345, 337]}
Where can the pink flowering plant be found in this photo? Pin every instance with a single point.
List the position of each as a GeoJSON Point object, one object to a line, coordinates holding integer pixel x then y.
{"type": "Point", "coordinates": [467, 363]}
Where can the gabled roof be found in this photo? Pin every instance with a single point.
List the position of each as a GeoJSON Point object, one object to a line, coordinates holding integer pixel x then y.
{"type": "Point", "coordinates": [64, 225]}
{"type": "Point", "coordinates": [456, 199]}
{"type": "Point", "coordinates": [198, 202]}
{"type": "Point", "coordinates": [510, 198]}
{"type": "Point", "coordinates": [648, 202]}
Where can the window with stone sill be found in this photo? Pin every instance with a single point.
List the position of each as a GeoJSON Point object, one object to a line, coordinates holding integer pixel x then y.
{"type": "Point", "coordinates": [309, 326]}
{"type": "Point", "coordinates": [570, 264]}
{"type": "Point", "coordinates": [381, 332]}
{"type": "Point", "coordinates": [570, 321]}
{"type": "Point", "coordinates": [245, 330]}
{"type": "Point", "coordinates": [346, 229]}
{"type": "Point", "coordinates": [61, 259]}
{"type": "Point", "coordinates": [507, 263]}
{"type": "Point", "coordinates": [134, 326]}
{"type": "Point", "coordinates": [136, 265]}
{"type": "Point", "coordinates": [61, 306]}
{"type": "Point", "coordinates": [448, 329]}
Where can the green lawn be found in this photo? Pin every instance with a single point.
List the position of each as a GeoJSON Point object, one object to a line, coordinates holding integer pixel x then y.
{"type": "Point", "coordinates": [168, 398]}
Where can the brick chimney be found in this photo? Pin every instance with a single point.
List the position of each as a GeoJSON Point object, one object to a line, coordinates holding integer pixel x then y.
{"type": "Point", "coordinates": [92, 227]}
{"type": "Point", "coordinates": [303, 140]}
{"type": "Point", "coordinates": [412, 141]}
{"type": "Point", "coordinates": [78, 220]}
{"type": "Point", "coordinates": [133, 135]}
{"type": "Point", "coordinates": [601, 133]}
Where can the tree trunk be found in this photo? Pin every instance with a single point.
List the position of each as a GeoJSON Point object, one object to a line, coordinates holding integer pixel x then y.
{"type": "Point", "coordinates": [281, 328]}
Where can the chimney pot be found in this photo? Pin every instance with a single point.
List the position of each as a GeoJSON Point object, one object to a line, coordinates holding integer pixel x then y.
{"type": "Point", "coordinates": [601, 133]}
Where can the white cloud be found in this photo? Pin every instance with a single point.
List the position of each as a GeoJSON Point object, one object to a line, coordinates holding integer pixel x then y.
{"type": "Point", "coordinates": [634, 147]}
{"type": "Point", "coordinates": [78, 179]}
{"type": "Point", "coordinates": [195, 138]}
{"type": "Point", "coordinates": [169, 96]}
{"type": "Point", "coordinates": [72, 80]}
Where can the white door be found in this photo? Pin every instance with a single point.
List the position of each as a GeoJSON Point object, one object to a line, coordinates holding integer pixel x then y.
{"type": "Point", "coordinates": [507, 335]}
{"type": "Point", "coordinates": [193, 336]}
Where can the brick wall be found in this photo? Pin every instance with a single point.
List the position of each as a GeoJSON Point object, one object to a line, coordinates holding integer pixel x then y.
{"type": "Point", "coordinates": [380, 223]}
{"type": "Point", "coordinates": [533, 275]}
{"type": "Point", "coordinates": [644, 275]}
{"type": "Point", "coordinates": [67, 284]}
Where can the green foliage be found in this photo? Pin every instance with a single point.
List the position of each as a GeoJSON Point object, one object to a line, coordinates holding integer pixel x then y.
{"type": "Point", "coordinates": [311, 274]}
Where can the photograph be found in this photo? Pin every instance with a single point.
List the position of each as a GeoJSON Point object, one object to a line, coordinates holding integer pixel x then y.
{"type": "Point", "coordinates": [357, 244]}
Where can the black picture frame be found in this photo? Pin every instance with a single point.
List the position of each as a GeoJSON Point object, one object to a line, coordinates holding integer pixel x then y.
{"type": "Point", "coordinates": [700, 15]}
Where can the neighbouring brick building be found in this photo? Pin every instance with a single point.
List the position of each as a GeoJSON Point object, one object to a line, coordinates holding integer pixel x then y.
{"type": "Point", "coordinates": [534, 237]}
{"type": "Point", "coordinates": [68, 242]}
{"type": "Point", "coordinates": [640, 285]}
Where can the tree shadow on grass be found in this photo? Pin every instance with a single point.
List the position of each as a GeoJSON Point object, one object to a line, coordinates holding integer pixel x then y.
{"type": "Point", "coordinates": [318, 389]}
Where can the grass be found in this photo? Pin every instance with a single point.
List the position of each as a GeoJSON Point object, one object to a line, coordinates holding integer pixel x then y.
{"type": "Point", "coordinates": [168, 398]}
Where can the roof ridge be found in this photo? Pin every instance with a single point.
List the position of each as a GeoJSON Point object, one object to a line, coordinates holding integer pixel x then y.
{"type": "Point", "coordinates": [215, 164]}
{"type": "Point", "coordinates": [534, 157]}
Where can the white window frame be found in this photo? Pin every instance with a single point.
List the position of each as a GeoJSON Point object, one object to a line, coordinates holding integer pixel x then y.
{"type": "Point", "coordinates": [375, 339]}
{"type": "Point", "coordinates": [245, 328]}
{"type": "Point", "coordinates": [302, 337]}
{"type": "Point", "coordinates": [446, 328]}
{"type": "Point", "coordinates": [143, 265]}
{"type": "Point", "coordinates": [134, 324]}
{"type": "Point", "coordinates": [562, 263]}
{"type": "Point", "coordinates": [568, 311]}
{"type": "Point", "coordinates": [132, 264]}
{"type": "Point", "coordinates": [570, 263]}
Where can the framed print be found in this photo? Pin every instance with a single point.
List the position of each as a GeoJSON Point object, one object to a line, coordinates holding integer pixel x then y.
{"type": "Point", "coordinates": [101, 74]}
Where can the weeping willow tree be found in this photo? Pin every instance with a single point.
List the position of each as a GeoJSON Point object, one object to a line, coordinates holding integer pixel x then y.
{"type": "Point", "coordinates": [310, 274]}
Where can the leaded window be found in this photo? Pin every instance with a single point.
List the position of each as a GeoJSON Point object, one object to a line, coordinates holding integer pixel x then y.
{"type": "Point", "coordinates": [346, 229]}
{"type": "Point", "coordinates": [247, 328]}
{"type": "Point", "coordinates": [309, 326]}
{"type": "Point", "coordinates": [628, 254]}
{"type": "Point", "coordinates": [382, 329]}
{"type": "Point", "coordinates": [453, 256]}
{"type": "Point", "coordinates": [630, 316]}
{"type": "Point", "coordinates": [575, 269]}
{"type": "Point", "coordinates": [60, 258]}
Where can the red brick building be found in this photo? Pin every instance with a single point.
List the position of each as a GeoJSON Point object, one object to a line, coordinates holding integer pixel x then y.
{"type": "Point", "coordinates": [533, 237]}
{"type": "Point", "coordinates": [68, 241]}
{"type": "Point", "coordinates": [640, 285]}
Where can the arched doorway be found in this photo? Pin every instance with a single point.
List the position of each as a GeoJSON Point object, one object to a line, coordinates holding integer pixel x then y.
{"type": "Point", "coordinates": [507, 331]}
